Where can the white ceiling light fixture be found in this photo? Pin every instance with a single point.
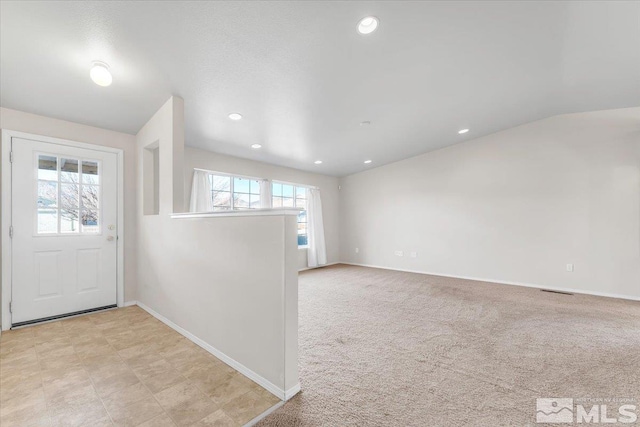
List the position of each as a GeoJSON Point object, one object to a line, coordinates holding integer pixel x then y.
{"type": "Point", "coordinates": [367, 25]}
{"type": "Point", "coordinates": [461, 131]}
{"type": "Point", "coordinates": [256, 146]}
{"type": "Point", "coordinates": [366, 162]}
{"type": "Point", "coordinates": [235, 116]}
{"type": "Point", "coordinates": [100, 73]}
{"type": "Point", "coordinates": [318, 162]}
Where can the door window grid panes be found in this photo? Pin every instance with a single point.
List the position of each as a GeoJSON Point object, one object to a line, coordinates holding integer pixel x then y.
{"type": "Point", "coordinates": [68, 195]}
{"type": "Point", "coordinates": [234, 193]}
{"type": "Point", "coordinates": [290, 196]}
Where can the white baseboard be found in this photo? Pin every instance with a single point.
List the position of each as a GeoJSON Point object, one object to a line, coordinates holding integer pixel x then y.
{"type": "Point", "coordinates": [292, 391]}
{"type": "Point", "coordinates": [130, 303]}
{"type": "Point", "coordinates": [266, 384]}
{"type": "Point", "coordinates": [503, 282]}
{"type": "Point", "coordinates": [320, 266]}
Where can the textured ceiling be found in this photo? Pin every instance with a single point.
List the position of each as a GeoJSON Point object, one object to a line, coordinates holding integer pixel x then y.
{"type": "Point", "coordinates": [304, 79]}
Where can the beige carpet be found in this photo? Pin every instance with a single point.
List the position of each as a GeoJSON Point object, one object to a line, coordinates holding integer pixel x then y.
{"type": "Point", "coordinates": [385, 348]}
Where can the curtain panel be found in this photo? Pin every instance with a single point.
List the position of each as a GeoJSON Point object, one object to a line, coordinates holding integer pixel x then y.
{"type": "Point", "coordinates": [317, 252]}
{"type": "Point", "coordinates": [201, 200]}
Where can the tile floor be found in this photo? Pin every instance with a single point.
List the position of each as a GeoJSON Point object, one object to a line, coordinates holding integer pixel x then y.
{"type": "Point", "coordinates": [119, 367]}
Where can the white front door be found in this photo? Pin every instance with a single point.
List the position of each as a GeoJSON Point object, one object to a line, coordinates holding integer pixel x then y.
{"type": "Point", "coordinates": [64, 217]}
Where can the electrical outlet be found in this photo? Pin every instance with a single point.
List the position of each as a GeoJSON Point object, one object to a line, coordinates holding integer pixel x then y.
{"type": "Point", "coordinates": [569, 267]}
{"type": "Point", "coordinates": [357, 250]}
{"type": "Point", "coordinates": [399, 253]}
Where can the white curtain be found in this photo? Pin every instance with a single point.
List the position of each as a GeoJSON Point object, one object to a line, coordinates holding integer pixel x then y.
{"type": "Point", "coordinates": [265, 194]}
{"type": "Point", "coordinates": [317, 252]}
{"type": "Point", "coordinates": [201, 200]}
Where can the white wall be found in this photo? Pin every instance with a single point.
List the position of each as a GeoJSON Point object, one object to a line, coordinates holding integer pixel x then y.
{"type": "Point", "coordinates": [46, 126]}
{"type": "Point", "coordinates": [229, 281]}
{"type": "Point", "coordinates": [196, 158]}
{"type": "Point", "coordinates": [515, 206]}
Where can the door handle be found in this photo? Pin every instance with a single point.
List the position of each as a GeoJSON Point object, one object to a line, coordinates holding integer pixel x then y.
{"type": "Point", "coordinates": [110, 238]}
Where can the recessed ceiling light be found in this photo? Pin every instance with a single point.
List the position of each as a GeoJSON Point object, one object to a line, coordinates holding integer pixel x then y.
{"type": "Point", "coordinates": [100, 73]}
{"type": "Point", "coordinates": [365, 123]}
{"type": "Point", "coordinates": [256, 146]}
{"type": "Point", "coordinates": [235, 116]}
{"type": "Point", "coordinates": [461, 131]}
{"type": "Point", "coordinates": [366, 162]}
{"type": "Point", "coordinates": [367, 25]}
{"type": "Point", "coordinates": [318, 162]}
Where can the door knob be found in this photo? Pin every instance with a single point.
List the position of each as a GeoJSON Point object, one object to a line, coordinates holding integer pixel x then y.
{"type": "Point", "coordinates": [110, 238]}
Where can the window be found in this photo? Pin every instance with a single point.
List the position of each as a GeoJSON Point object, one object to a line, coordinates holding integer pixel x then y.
{"type": "Point", "coordinates": [68, 196]}
{"type": "Point", "coordinates": [293, 196]}
{"type": "Point", "coordinates": [234, 193]}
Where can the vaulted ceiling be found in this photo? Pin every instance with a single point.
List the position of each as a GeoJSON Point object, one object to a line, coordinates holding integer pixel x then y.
{"type": "Point", "coordinates": [304, 79]}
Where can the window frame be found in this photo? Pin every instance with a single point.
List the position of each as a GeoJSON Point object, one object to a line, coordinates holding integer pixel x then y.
{"type": "Point", "coordinates": [231, 191]}
{"type": "Point", "coordinates": [59, 208]}
{"type": "Point", "coordinates": [295, 198]}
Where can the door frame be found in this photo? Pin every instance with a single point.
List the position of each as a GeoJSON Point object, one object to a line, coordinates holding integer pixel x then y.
{"type": "Point", "coordinates": [5, 219]}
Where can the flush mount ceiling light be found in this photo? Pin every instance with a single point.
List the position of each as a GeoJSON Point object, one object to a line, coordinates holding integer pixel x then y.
{"type": "Point", "coordinates": [100, 73]}
{"type": "Point", "coordinates": [366, 162]}
{"type": "Point", "coordinates": [367, 25]}
{"type": "Point", "coordinates": [461, 131]}
{"type": "Point", "coordinates": [318, 162]}
{"type": "Point", "coordinates": [235, 116]}
{"type": "Point", "coordinates": [256, 146]}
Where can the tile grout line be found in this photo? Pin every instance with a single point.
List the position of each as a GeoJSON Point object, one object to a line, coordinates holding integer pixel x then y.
{"type": "Point", "coordinates": [3, 361]}
{"type": "Point", "coordinates": [147, 388]}
{"type": "Point", "coordinates": [207, 396]}
{"type": "Point", "coordinates": [152, 394]}
{"type": "Point", "coordinates": [92, 335]}
{"type": "Point", "coordinates": [140, 381]}
{"type": "Point", "coordinates": [240, 424]}
{"type": "Point", "coordinates": [220, 407]}
{"type": "Point", "coordinates": [185, 379]}
{"type": "Point", "coordinates": [44, 394]}
{"type": "Point", "coordinates": [89, 375]}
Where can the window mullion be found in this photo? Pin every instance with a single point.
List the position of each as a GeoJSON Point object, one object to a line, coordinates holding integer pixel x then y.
{"type": "Point", "coordinates": [59, 207]}
{"type": "Point", "coordinates": [80, 203]}
{"type": "Point", "coordinates": [210, 178]}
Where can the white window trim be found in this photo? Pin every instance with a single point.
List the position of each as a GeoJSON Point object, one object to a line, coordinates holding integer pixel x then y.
{"type": "Point", "coordinates": [253, 178]}
{"type": "Point", "coordinates": [275, 181]}
{"type": "Point", "coordinates": [231, 176]}
{"type": "Point", "coordinates": [59, 184]}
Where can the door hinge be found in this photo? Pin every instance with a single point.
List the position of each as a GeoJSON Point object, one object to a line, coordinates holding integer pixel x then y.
{"type": "Point", "coordinates": [10, 156]}
{"type": "Point", "coordinates": [11, 231]}
{"type": "Point", "coordinates": [10, 306]}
